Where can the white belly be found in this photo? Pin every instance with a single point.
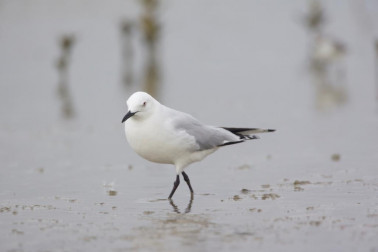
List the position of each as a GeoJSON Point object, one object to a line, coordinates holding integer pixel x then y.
{"type": "Point", "coordinates": [155, 144]}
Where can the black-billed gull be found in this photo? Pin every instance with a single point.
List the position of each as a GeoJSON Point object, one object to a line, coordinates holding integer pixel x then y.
{"type": "Point", "coordinates": [164, 135]}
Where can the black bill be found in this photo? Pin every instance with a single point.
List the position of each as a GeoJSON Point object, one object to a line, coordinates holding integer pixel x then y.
{"type": "Point", "coordinates": [128, 115]}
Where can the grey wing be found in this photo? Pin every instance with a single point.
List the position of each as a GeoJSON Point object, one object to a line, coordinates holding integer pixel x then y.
{"type": "Point", "coordinates": [206, 137]}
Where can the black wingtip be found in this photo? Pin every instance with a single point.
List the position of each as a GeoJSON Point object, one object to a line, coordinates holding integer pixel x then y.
{"type": "Point", "coordinates": [271, 130]}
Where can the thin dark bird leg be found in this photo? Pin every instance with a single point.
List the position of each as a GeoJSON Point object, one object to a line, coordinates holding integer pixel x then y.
{"type": "Point", "coordinates": [186, 178]}
{"type": "Point", "coordinates": [175, 185]}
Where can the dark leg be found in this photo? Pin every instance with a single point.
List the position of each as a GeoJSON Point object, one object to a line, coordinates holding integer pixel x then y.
{"type": "Point", "coordinates": [175, 185]}
{"type": "Point", "coordinates": [186, 178]}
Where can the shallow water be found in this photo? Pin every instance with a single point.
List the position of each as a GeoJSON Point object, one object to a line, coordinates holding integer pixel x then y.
{"type": "Point", "coordinates": [74, 184]}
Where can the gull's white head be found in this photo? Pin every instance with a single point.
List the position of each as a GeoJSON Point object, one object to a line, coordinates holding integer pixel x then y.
{"type": "Point", "coordinates": [140, 105]}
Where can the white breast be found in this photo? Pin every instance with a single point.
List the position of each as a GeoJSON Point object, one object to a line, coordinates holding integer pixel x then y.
{"type": "Point", "coordinates": [158, 143]}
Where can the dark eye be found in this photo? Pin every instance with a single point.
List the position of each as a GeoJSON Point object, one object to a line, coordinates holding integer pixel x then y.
{"type": "Point", "coordinates": [144, 103]}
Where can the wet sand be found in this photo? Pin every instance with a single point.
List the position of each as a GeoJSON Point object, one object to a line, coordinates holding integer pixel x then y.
{"type": "Point", "coordinates": [272, 204]}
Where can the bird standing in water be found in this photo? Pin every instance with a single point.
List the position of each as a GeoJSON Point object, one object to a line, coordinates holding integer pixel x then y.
{"type": "Point", "coordinates": [164, 135]}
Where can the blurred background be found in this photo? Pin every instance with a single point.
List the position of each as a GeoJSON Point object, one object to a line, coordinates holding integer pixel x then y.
{"type": "Point", "coordinates": [306, 68]}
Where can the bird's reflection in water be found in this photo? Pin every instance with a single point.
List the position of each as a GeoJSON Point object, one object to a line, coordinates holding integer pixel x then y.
{"type": "Point", "coordinates": [187, 209]}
